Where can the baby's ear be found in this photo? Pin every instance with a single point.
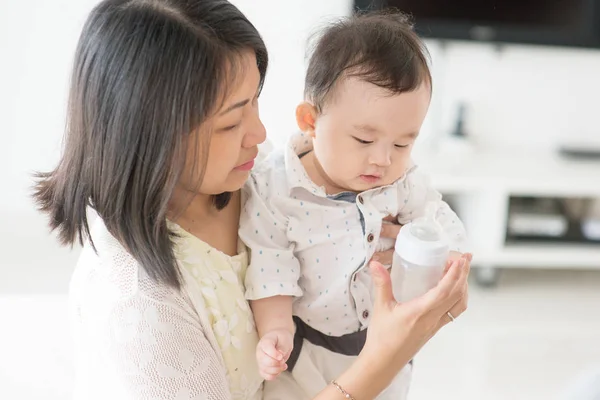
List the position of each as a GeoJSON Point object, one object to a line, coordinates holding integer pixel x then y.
{"type": "Point", "coordinates": [306, 116]}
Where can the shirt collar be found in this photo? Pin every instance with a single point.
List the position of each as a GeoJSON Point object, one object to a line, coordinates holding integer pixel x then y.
{"type": "Point", "coordinates": [299, 144]}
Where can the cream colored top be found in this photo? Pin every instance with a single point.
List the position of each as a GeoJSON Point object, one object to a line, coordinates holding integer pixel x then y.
{"type": "Point", "coordinates": [137, 339]}
{"type": "Point", "coordinates": [221, 278]}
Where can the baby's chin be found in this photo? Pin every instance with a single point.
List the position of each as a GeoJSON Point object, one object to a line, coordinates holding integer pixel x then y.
{"type": "Point", "coordinates": [360, 184]}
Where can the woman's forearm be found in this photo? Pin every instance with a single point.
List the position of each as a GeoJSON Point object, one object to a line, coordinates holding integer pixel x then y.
{"type": "Point", "coordinates": [367, 377]}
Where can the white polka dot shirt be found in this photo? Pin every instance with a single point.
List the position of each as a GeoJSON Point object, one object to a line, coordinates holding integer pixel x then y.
{"type": "Point", "coordinates": [314, 247]}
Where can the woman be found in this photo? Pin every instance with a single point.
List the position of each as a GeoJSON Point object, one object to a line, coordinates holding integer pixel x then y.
{"type": "Point", "coordinates": [163, 130]}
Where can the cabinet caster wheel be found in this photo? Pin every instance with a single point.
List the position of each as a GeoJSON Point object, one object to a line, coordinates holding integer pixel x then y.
{"type": "Point", "coordinates": [486, 277]}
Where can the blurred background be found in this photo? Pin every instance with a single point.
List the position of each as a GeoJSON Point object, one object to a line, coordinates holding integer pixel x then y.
{"type": "Point", "coordinates": [512, 140]}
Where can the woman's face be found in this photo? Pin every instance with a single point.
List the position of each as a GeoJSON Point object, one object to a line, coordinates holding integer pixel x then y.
{"type": "Point", "coordinates": [236, 132]}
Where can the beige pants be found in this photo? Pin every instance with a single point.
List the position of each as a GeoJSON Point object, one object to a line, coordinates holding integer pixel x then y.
{"type": "Point", "coordinates": [316, 367]}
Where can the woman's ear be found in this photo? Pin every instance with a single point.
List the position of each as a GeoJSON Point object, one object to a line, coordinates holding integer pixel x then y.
{"type": "Point", "coordinates": [306, 116]}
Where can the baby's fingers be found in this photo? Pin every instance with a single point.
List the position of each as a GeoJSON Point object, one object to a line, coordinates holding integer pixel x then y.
{"type": "Point", "coordinates": [272, 372]}
{"type": "Point", "coordinates": [269, 348]}
{"type": "Point", "coordinates": [266, 361]}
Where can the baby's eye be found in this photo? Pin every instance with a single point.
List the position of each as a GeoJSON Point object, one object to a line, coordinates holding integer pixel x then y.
{"type": "Point", "coordinates": [362, 141]}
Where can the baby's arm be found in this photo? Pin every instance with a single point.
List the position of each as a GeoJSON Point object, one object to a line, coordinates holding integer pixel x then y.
{"type": "Point", "coordinates": [453, 228]}
{"type": "Point", "coordinates": [272, 275]}
{"type": "Point", "coordinates": [273, 317]}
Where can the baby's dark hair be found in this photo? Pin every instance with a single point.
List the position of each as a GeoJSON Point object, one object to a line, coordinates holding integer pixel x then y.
{"type": "Point", "coordinates": [378, 47]}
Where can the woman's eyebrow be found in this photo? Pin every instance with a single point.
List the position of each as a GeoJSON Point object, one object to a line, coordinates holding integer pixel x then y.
{"type": "Point", "coordinates": [237, 105]}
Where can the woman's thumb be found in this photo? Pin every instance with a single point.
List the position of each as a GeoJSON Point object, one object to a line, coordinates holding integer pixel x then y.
{"type": "Point", "coordinates": [382, 283]}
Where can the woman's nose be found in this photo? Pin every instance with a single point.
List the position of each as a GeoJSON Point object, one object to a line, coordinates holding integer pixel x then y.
{"type": "Point", "coordinates": [256, 133]}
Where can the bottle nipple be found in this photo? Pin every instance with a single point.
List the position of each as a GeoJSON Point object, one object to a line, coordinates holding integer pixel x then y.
{"type": "Point", "coordinates": [427, 228]}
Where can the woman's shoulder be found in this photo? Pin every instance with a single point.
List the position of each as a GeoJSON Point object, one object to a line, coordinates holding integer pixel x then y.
{"type": "Point", "coordinates": [105, 265]}
{"type": "Point", "coordinates": [108, 275]}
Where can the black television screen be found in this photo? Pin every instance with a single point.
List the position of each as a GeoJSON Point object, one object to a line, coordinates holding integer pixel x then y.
{"type": "Point", "coordinates": [546, 22]}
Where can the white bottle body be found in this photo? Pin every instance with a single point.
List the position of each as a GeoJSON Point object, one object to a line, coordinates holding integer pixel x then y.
{"type": "Point", "coordinates": [411, 280]}
{"type": "Point", "coordinates": [420, 257]}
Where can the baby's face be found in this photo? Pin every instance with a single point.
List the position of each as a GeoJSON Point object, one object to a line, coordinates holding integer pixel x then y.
{"type": "Point", "coordinates": [364, 137]}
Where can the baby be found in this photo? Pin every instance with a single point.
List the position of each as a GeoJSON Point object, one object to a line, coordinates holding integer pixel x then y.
{"type": "Point", "coordinates": [314, 211]}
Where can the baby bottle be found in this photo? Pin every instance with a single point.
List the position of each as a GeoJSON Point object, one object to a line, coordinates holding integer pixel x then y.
{"type": "Point", "coordinates": [420, 256]}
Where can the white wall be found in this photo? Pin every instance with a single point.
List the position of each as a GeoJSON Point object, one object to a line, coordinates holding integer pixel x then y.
{"type": "Point", "coordinates": [521, 95]}
{"type": "Point", "coordinates": [37, 41]}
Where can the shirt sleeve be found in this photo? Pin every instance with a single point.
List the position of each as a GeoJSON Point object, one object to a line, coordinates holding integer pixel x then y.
{"type": "Point", "coordinates": [417, 192]}
{"type": "Point", "coordinates": [274, 269]}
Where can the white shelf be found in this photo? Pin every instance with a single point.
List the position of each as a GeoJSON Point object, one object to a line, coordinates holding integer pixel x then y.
{"type": "Point", "coordinates": [513, 171]}
{"type": "Point", "coordinates": [483, 181]}
{"type": "Point", "coordinates": [565, 256]}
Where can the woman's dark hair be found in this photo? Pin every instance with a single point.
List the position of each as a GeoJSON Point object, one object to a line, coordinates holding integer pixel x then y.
{"type": "Point", "coordinates": [147, 74]}
{"type": "Point", "coordinates": [379, 47]}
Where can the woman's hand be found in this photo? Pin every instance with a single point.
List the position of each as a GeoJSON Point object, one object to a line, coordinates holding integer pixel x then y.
{"type": "Point", "coordinates": [398, 331]}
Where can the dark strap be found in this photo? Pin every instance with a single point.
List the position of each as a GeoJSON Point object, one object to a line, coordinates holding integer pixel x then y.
{"type": "Point", "coordinates": [348, 345]}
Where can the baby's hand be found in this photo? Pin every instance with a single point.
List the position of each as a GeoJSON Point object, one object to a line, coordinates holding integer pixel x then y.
{"type": "Point", "coordinates": [273, 351]}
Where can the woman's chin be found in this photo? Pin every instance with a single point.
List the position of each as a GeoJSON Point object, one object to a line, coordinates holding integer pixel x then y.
{"type": "Point", "coordinates": [236, 180]}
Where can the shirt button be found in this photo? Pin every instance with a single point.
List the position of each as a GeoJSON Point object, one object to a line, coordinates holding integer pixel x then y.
{"type": "Point", "coordinates": [365, 314]}
{"type": "Point", "coordinates": [370, 237]}
{"type": "Point", "coordinates": [360, 199]}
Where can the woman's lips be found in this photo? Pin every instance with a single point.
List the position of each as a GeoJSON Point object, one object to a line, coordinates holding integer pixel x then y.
{"type": "Point", "coordinates": [246, 166]}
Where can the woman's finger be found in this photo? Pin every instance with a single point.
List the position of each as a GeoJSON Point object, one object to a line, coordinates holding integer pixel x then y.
{"type": "Point", "coordinates": [462, 305]}
{"type": "Point", "coordinates": [445, 294]}
{"type": "Point", "coordinates": [382, 284]}
{"type": "Point", "coordinates": [384, 257]}
{"type": "Point", "coordinates": [456, 311]}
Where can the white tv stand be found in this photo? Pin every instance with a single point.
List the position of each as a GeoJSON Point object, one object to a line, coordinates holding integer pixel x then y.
{"type": "Point", "coordinates": [482, 183]}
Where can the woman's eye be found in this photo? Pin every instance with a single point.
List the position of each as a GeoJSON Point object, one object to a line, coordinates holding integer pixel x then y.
{"type": "Point", "coordinates": [401, 146]}
{"type": "Point", "coordinates": [363, 141]}
{"type": "Point", "coordinates": [231, 127]}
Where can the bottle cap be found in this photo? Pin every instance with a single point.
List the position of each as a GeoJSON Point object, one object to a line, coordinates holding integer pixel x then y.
{"type": "Point", "coordinates": [422, 242]}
